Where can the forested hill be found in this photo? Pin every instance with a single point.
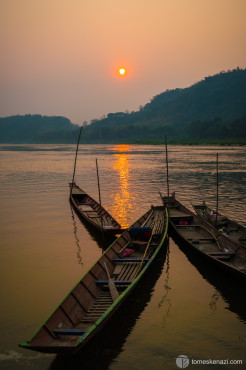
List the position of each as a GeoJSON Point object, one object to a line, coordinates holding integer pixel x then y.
{"type": "Point", "coordinates": [37, 129]}
{"type": "Point", "coordinates": [212, 109]}
{"type": "Point", "coordinates": [222, 96]}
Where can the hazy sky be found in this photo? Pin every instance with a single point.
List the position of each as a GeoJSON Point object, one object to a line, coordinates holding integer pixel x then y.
{"type": "Point", "coordinates": [60, 57]}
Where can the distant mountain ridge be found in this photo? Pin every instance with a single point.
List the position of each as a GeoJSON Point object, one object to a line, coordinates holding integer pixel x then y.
{"type": "Point", "coordinates": [222, 95]}
{"type": "Point", "coordinates": [35, 128]}
{"type": "Point", "coordinates": [214, 108]}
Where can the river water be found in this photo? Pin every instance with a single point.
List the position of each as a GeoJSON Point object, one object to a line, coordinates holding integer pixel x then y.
{"type": "Point", "coordinates": [184, 308]}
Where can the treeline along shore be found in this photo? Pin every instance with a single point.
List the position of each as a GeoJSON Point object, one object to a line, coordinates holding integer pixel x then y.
{"type": "Point", "coordinates": [210, 111]}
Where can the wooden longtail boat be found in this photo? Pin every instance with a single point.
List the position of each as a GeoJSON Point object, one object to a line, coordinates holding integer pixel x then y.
{"type": "Point", "coordinates": [88, 208]}
{"type": "Point", "coordinates": [231, 229]}
{"type": "Point", "coordinates": [92, 302]}
{"type": "Point", "coordinates": [204, 240]}
{"type": "Point", "coordinates": [92, 212]}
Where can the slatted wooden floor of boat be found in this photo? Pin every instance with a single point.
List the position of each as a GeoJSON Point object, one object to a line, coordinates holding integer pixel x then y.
{"type": "Point", "coordinates": [101, 304]}
{"type": "Point", "coordinates": [129, 270]}
{"type": "Point", "coordinates": [91, 213]}
{"type": "Point", "coordinates": [207, 243]}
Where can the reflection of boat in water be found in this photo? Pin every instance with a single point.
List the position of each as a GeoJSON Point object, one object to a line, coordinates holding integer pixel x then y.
{"type": "Point", "coordinates": [231, 229]}
{"type": "Point", "coordinates": [76, 239]}
{"type": "Point", "coordinates": [102, 290]}
{"type": "Point", "coordinates": [165, 299]}
{"type": "Point", "coordinates": [232, 293]}
{"type": "Point", "coordinates": [92, 212]}
{"type": "Point", "coordinates": [102, 240]}
{"type": "Point", "coordinates": [214, 248]}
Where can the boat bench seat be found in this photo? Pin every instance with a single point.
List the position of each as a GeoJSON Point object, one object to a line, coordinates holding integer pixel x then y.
{"type": "Point", "coordinates": [202, 239]}
{"type": "Point", "coordinates": [92, 214]}
{"type": "Point", "coordinates": [233, 229]}
{"type": "Point", "coordinates": [223, 256]}
{"type": "Point", "coordinates": [69, 331]}
{"type": "Point", "coordinates": [117, 282]}
{"type": "Point", "coordinates": [86, 208]}
{"type": "Point", "coordinates": [138, 244]}
{"type": "Point", "coordinates": [129, 260]}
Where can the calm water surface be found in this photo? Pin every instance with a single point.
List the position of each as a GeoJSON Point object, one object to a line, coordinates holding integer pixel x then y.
{"type": "Point", "coordinates": [183, 309]}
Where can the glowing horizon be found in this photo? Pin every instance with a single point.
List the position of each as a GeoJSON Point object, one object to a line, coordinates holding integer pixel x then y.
{"type": "Point", "coordinates": [62, 58]}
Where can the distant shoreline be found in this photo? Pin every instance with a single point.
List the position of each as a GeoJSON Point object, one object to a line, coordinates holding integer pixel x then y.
{"type": "Point", "coordinates": [203, 143]}
{"type": "Point", "coordinates": [28, 146]}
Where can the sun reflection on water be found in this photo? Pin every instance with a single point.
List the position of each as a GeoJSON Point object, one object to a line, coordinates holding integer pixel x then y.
{"type": "Point", "coordinates": [124, 200]}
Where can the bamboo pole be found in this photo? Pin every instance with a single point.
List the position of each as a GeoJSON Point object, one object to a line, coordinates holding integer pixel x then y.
{"type": "Point", "coordinates": [99, 194]}
{"type": "Point", "coordinates": [75, 160]}
{"type": "Point", "coordinates": [217, 188]}
{"type": "Point", "coordinates": [167, 173]}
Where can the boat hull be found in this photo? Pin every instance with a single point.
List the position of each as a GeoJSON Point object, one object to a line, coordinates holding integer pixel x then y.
{"type": "Point", "coordinates": [92, 212]}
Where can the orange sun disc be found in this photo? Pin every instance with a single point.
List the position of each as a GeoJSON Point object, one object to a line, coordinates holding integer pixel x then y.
{"type": "Point", "coordinates": [122, 71]}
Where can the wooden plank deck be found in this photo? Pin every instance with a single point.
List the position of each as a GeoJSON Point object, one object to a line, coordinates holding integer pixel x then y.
{"type": "Point", "coordinates": [101, 304]}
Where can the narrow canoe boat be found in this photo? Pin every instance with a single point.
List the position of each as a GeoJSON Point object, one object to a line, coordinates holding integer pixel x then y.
{"type": "Point", "coordinates": [204, 240]}
{"type": "Point", "coordinates": [89, 209]}
{"type": "Point", "coordinates": [102, 290]}
{"type": "Point", "coordinates": [231, 229]}
{"type": "Point", "coordinates": [92, 212]}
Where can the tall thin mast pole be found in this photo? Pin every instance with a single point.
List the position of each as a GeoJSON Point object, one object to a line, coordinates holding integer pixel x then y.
{"type": "Point", "coordinates": [217, 187]}
{"type": "Point", "coordinates": [75, 160]}
{"type": "Point", "coordinates": [99, 193]}
{"type": "Point", "coordinates": [167, 172]}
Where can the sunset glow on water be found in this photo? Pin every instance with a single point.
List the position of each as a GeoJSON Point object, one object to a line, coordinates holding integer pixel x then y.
{"type": "Point", "coordinates": [183, 308]}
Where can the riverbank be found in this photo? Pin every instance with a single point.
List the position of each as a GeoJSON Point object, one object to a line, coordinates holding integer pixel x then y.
{"type": "Point", "coordinates": [205, 143]}
{"type": "Point", "coordinates": [62, 146]}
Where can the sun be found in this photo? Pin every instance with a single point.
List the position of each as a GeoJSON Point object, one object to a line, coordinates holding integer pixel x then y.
{"type": "Point", "coordinates": [122, 71]}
